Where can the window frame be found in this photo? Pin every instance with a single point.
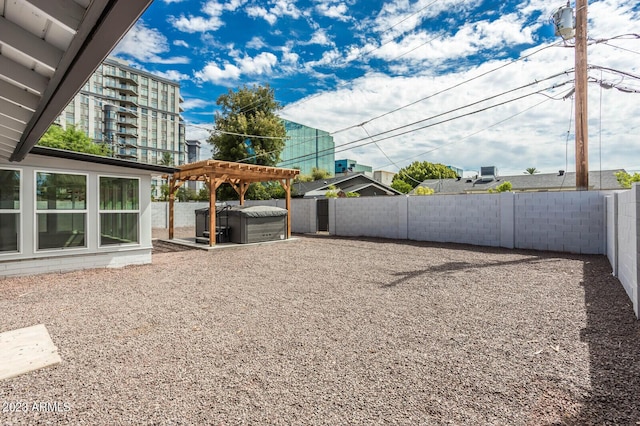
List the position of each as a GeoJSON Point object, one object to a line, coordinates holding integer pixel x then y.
{"type": "Point", "coordinates": [100, 211]}
{"type": "Point", "coordinates": [37, 211]}
{"type": "Point", "coordinates": [18, 211]}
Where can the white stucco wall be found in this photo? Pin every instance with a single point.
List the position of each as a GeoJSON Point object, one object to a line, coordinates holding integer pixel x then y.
{"type": "Point", "coordinates": [29, 260]}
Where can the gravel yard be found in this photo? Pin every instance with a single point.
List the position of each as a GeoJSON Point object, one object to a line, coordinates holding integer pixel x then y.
{"type": "Point", "coordinates": [322, 330]}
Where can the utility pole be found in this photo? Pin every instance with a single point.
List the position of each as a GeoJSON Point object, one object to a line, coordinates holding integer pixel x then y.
{"type": "Point", "coordinates": [582, 134]}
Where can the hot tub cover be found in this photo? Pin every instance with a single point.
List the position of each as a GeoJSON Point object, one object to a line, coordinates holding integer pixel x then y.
{"type": "Point", "coordinates": [259, 211]}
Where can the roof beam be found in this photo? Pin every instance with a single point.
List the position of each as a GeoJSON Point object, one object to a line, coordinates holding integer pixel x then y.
{"type": "Point", "coordinates": [14, 111]}
{"type": "Point", "coordinates": [67, 13]}
{"type": "Point", "coordinates": [103, 25]}
{"type": "Point", "coordinates": [29, 44]}
{"type": "Point", "coordinates": [5, 150]}
{"type": "Point", "coordinates": [22, 75]}
{"type": "Point", "coordinates": [10, 123]}
{"type": "Point", "coordinates": [16, 94]}
{"type": "Point", "coordinates": [8, 133]}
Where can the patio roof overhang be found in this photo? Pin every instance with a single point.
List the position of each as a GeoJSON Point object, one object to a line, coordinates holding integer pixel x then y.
{"type": "Point", "coordinates": [48, 49]}
{"type": "Point", "coordinates": [238, 175]}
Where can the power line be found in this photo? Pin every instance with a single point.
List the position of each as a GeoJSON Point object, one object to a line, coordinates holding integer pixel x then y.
{"type": "Point", "coordinates": [428, 125]}
{"type": "Point", "coordinates": [455, 86]}
{"type": "Point", "coordinates": [459, 108]}
{"type": "Point", "coordinates": [474, 133]}
{"type": "Point", "coordinates": [447, 112]}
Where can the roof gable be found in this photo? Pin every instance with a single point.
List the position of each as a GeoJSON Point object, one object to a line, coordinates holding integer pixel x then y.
{"type": "Point", "coordinates": [352, 180]}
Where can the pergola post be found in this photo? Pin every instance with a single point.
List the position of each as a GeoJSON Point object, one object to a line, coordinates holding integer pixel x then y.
{"type": "Point", "coordinates": [174, 185]}
{"type": "Point", "coordinates": [172, 199]}
{"type": "Point", "coordinates": [286, 184]}
{"type": "Point", "coordinates": [212, 211]}
{"type": "Point", "coordinates": [243, 190]}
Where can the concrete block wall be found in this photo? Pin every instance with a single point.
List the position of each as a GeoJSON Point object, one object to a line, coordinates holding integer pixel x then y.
{"type": "Point", "coordinates": [571, 222]}
{"type": "Point", "coordinates": [304, 216]}
{"type": "Point", "coordinates": [384, 217]}
{"type": "Point", "coordinates": [469, 219]}
{"type": "Point", "coordinates": [628, 249]}
{"type": "Point", "coordinates": [611, 203]}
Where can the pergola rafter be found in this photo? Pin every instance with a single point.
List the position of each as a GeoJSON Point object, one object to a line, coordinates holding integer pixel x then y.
{"type": "Point", "coordinates": [238, 175]}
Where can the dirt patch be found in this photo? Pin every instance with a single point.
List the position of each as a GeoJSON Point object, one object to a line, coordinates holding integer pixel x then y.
{"type": "Point", "coordinates": [333, 331]}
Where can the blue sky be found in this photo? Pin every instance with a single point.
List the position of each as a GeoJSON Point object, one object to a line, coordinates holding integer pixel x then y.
{"type": "Point", "coordinates": [469, 83]}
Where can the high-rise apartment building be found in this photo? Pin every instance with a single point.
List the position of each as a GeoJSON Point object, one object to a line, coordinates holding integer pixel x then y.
{"type": "Point", "coordinates": [135, 112]}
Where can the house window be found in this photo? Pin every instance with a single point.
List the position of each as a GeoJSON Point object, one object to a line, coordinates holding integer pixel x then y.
{"type": "Point", "coordinates": [119, 210]}
{"type": "Point", "coordinates": [9, 210]}
{"type": "Point", "coordinates": [61, 210]}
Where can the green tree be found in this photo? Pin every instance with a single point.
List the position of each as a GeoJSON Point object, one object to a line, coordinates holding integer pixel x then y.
{"type": "Point", "coordinates": [166, 159]}
{"type": "Point", "coordinates": [503, 187]}
{"type": "Point", "coordinates": [531, 171]}
{"type": "Point", "coordinates": [424, 190]}
{"type": "Point", "coordinates": [411, 176]}
{"type": "Point", "coordinates": [164, 192]}
{"type": "Point", "coordinates": [203, 194]}
{"type": "Point", "coordinates": [316, 174]}
{"type": "Point", "coordinates": [401, 186]}
{"type": "Point", "coordinates": [332, 192]}
{"type": "Point", "coordinates": [248, 111]}
{"type": "Point", "coordinates": [72, 139]}
{"type": "Point", "coordinates": [626, 180]}
{"type": "Point", "coordinates": [186, 194]}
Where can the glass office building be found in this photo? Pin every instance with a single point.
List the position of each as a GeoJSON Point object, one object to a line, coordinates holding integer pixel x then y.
{"type": "Point", "coordinates": [307, 148]}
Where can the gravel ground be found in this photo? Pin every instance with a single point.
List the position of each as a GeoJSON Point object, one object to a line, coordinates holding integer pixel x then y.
{"type": "Point", "coordinates": [322, 330]}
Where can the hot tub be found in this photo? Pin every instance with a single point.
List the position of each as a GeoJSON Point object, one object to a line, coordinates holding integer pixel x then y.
{"type": "Point", "coordinates": [255, 224]}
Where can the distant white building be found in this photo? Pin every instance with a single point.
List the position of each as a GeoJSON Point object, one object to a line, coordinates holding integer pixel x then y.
{"type": "Point", "coordinates": [384, 176]}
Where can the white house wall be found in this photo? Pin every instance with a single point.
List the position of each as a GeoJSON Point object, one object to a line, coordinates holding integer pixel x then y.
{"type": "Point", "coordinates": [29, 261]}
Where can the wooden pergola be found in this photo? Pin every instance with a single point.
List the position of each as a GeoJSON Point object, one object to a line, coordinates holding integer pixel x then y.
{"type": "Point", "coordinates": [238, 175]}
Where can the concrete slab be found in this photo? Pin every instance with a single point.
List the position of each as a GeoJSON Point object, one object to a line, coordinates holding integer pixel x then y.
{"type": "Point", "coordinates": [191, 242]}
{"type": "Point", "coordinates": [26, 349]}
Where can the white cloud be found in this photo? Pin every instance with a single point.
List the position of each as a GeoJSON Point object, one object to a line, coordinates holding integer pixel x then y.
{"type": "Point", "coordinates": [285, 8]}
{"type": "Point", "coordinates": [147, 44]}
{"type": "Point", "coordinates": [288, 57]}
{"type": "Point", "coordinates": [259, 65]}
{"type": "Point", "coordinates": [195, 24]}
{"type": "Point", "coordinates": [212, 21]}
{"type": "Point", "coordinates": [261, 12]}
{"type": "Point", "coordinates": [401, 16]}
{"type": "Point", "coordinates": [172, 75]}
{"type": "Point", "coordinates": [194, 103]}
{"type": "Point", "coordinates": [256, 43]}
{"type": "Point", "coordinates": [277, 9]}
{"type": "Point", "coordinates": [213, 73]}
{"type": "Point", "coordinates": [336, 11]}
{"type": "Point", "coordinates": [320, 37]}
{"type": "Point", "coordinates": [181, 43]}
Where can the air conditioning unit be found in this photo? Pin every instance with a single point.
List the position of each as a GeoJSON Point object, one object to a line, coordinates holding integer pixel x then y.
{"type": "Point", "coordinates": [488, 173]}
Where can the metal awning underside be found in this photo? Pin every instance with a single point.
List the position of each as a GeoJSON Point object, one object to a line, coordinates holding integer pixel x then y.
{"type": "Point", "coordinates": [48, 49]}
